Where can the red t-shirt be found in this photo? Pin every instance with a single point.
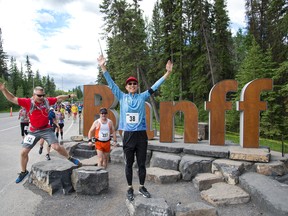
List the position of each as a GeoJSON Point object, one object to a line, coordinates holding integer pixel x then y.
{"type": "Point", "coordinates": [39, 116]}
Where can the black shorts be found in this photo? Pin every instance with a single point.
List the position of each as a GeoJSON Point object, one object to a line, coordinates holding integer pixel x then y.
{"type": "Point", "coordinates": [24, 128]}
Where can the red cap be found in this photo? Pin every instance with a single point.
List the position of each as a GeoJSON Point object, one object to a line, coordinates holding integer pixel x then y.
{"type": "Point", "coordinates": [131, 78]}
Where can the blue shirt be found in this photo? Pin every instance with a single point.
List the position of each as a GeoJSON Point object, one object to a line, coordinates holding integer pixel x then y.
{"type": "Point", "coordinates": [132, 106]}
{"type": "Point", "coordinates": [51, 116]}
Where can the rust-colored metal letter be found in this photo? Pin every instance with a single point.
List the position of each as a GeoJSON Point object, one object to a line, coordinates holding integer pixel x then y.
{"type": "Point", "coordinates": [95, 97]}
{"type": "Point", "coordinates": [217, 106]}
{"type": "Point", "coordinates": [250, 107]}
{"type": "Point", "coordinates": [167, 112]}
{"type": "Point", "coordinates": [149, 121]}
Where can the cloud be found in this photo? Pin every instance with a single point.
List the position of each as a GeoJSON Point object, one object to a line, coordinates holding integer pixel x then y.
{"type": "Point", "coordinates": [61, 36]}
{"type": "Point", "coordinates": [78, 63]}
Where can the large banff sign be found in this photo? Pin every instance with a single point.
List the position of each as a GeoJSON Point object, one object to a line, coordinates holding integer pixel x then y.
{"type": "Point", "coordinates": [249, 106]}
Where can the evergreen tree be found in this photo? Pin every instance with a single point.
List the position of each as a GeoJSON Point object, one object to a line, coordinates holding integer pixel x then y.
{"type": "Point", "coordinates": [274, 121]}
{"type": "Point", "coordinates": [222, 42]}
{"type": "Point", "coordinates": [125, 33]}
{"type": "Point", "coordinates": [3, 58]}
{"type": "Point", "coordinates": [29, 77]}
{"type": "Point", "coordinates": [16, 79]}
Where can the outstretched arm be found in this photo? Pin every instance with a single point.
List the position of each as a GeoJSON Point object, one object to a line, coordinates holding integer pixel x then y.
{"type": "Point", "coordinates": [65, 97]}
{"type": "Point", "coordinates": [9, 96]}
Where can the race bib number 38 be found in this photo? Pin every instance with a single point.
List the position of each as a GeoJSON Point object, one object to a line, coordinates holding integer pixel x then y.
{"type": "Point", "coordinates": [132, 118]}
{"type": "Point", "coordinates": [29, 139]}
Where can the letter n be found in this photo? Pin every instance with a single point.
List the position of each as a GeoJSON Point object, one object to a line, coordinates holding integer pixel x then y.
{"type": "Point", "coordinates": [250, 107]}
{"type": "Point", "coordinates": [167, 112]}
{"type": "Point", "coordinates": [217, 106]}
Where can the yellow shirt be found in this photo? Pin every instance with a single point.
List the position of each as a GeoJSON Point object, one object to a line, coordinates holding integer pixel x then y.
{"type": "Point", "coordinates": [74, 109]}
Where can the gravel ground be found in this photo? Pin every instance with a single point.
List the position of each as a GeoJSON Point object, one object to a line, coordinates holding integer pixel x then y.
{"type": "Point", "coordinates": [112, 202]}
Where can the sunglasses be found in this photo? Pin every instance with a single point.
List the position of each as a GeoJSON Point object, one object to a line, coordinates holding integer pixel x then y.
{"type": "Point", "coordinates": [105, 113]}
{"type": "Point", "coordinates": [132, 83]}
{"type": "Point", "coordinates": [40, 95]}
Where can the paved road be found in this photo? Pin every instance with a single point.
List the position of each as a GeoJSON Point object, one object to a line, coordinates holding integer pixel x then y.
{"type": "Point", "coordinates": [15, 199]}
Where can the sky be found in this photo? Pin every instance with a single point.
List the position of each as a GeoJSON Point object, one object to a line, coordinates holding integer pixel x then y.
{"type": "Point", "coordinates": [62, 37]}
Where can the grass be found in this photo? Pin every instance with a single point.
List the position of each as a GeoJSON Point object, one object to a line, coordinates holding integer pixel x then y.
{"type": "Point", "coordinates": [274, 145]}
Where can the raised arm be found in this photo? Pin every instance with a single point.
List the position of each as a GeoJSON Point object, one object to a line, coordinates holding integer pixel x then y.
{"type": "Point", "coordinates": [8, 95]}
{"type": "Point", "coordinates": [101, 62]}
{"type": "Point", "coordinates": [169, 67]}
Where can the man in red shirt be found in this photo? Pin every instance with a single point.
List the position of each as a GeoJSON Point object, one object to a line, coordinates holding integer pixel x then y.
{"type": "Point", "coordinates": [37, 107]}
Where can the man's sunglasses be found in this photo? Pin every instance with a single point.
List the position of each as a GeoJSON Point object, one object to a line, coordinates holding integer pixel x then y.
{"type": "Point", "coordinates": [38, 95]}
{"type": "Point", "coordinates": [132, 83]}
{"type": "Point", "coordinates": [104, 113]}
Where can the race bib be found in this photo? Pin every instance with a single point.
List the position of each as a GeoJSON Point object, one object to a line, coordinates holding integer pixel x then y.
{"type": "Point", "coordinates": [132, 118]}
{"type": "Point", "coordinates": [29, 139]}
{"type": "Point", "coordinates": [26, 127]}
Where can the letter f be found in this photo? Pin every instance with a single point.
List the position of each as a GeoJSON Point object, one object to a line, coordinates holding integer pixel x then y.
{"type": "Point", "coordinates": [250, 107]}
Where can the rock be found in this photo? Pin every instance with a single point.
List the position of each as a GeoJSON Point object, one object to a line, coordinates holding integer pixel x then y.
{"type": "Point", "coordinates": [117, 155]}
{"type": "Point", "coordinates": [274, 168]}
{"type": "Point", "coordinates": [195, 209]}
{"type": "Point", "coordinates": [148, 206]}
{"type": "Point", "coordinates": [225, 194]}
{"type": "Point", "coordinates": [249, 154]}
{"type": "Point", "coordinates": [76, 138]}
{"type": "Point", "coordinates": [207, 150]}
{"type": "Point", "coordinates": [190, 166]}
{"type": "Point", "coordinates": [53, 176]}
{"type": "Point", "coordinates": [229, 169]}
{"type": "Point", "coordinates": [90, 180]}
{"type": "Point", "coordinates": [204, 181]}
{"type": "Point", "coordinates": [162, 176]}
{"type": "Point", "coordinates": [165, 161]}
{"type": "Point", "coordinates": [269, 194]}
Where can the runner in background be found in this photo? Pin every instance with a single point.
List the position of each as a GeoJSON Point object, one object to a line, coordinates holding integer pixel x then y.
{"type": "Point", "coordinates": [62, 108]}
{"type": "Point", "coordinates": [59, 122]}
{"type": "Point", "coordinates": [80, 108]}
{"type": "Point", "coordinates": [41, 142]}
{"type": "Point", "coordinates": [103, 128]}
{"type": "Point", "coordinates": [24, 122]}
{"type": "Point", "coordinates": [74, 110]}
{"type": "Point", "coordinates": [68, 110]}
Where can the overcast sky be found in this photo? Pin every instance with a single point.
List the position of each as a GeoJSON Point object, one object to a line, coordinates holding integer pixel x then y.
{"type": "Point", "coordinates": [61, 36]}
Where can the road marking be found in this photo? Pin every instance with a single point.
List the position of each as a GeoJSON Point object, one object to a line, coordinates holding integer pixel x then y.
{"type": "Point", "coordinates": [4, 188]}
{"type": "Point", "coordinates": [9, 128]}
{"type": "Point", "coordinates": [66, 131]}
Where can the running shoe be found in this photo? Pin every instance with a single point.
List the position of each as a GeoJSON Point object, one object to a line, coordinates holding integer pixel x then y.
{"type": "Point", "coordinates": [21, 176]}
{"type": "Point", "coordinates": [144, 192]}
{"type": "Point", "coordinates": [48, 157]}
{"type": "Point", "coordinates": [41, 150]}
{"type": "Point", "coordinates": [75, 161]}
{"type": "Point", "coordinates": [130, 194]}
